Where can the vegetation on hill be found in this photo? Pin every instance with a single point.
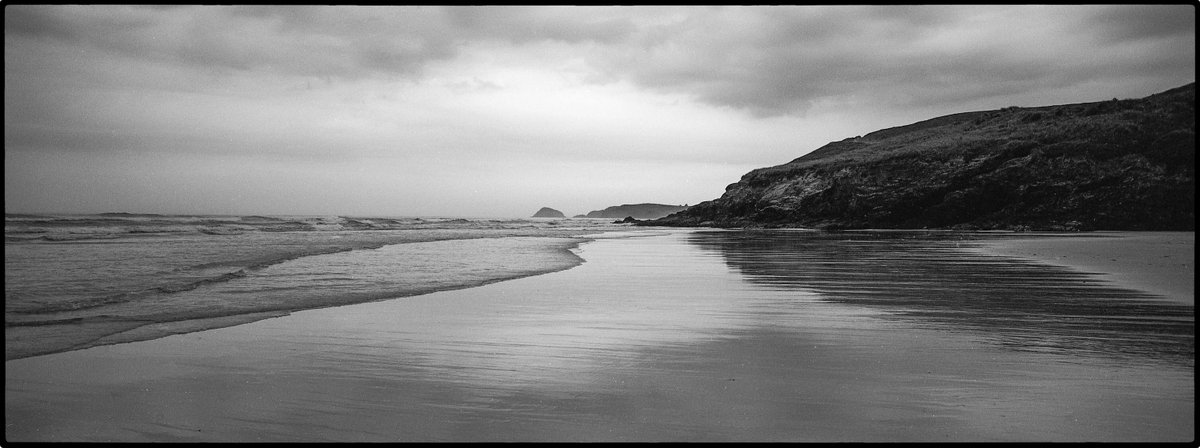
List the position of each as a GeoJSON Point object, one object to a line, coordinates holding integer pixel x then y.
{"type": "Point", "coordinates": [1112, 165]}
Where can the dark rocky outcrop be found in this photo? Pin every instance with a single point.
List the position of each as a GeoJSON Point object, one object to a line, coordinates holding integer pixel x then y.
{"type": "Point", "coordinates": [637, 211]}
{"type": "Point", "coordinates": [627, 220]}
{"type": "Point", "coordinates": [1113, 165]}
{"type": "Point", "coordinates": [547, 212]}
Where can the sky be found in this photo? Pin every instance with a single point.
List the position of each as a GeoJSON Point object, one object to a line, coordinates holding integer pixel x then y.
{"type": "Point", "coordinates": [498, 111]}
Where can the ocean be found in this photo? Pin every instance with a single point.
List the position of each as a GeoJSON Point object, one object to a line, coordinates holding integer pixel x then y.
{"type": "Point", "coordinates": [76, 281]}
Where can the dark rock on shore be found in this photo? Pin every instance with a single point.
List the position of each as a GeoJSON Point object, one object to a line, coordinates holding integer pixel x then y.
{"type": "Point", "coordinates": [627, 220]}
{"type": "Point", "coordinates": [547, 212]}
{"type": "Point", "coordinates": [1110, 165]}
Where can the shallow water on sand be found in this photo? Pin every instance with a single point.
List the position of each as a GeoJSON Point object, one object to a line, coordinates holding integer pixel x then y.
{"type": "Point", "coordinates": [925, 280]}
{"type": "Point", "coordinates": [73, 282]}
{"type": "Point", "coordinates": [688, 336]}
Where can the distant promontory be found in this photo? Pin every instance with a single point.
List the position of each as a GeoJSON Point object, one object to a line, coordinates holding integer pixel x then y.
{"type": "Point", "coordinates": [1108, 165]}
{"type": "Point", "coordinates": [547, 212]}
{"type": "Point", "coordinates": [637, 211]}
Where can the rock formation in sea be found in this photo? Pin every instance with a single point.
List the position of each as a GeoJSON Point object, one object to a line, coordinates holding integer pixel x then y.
{"type": "Point", "coordinates": [547, 212]}
{"type": "Point", "coordinates": [637, 211]}
{"type": "Point", "coordinates": [1111, 165]}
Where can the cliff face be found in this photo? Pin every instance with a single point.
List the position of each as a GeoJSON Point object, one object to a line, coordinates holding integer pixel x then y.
{"type": "Point", "coordinates": [637, 211]}
{"type": "Point", "coordinates": [1112, 165]}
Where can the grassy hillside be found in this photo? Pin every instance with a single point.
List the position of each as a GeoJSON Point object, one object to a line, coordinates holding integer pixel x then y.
{"type": "Point", "coordinates": [1117, 164]}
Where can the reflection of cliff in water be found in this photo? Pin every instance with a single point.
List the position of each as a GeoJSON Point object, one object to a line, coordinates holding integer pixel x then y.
{"type": "Point", "coordinates": [920, 277]}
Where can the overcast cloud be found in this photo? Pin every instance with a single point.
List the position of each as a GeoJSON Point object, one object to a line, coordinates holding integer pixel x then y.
{"type": "Point", "coordinates": [498, 111]}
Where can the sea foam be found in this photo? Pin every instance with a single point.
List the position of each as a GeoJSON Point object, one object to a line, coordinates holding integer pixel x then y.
{"type": "Point", "coordinates": [88, 280]}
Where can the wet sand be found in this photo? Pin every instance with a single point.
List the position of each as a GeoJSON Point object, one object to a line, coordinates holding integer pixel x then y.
{"type": "Point", "coordinates": [677, 337]}
{"type": "Point", "coordinates": [1161, 263]}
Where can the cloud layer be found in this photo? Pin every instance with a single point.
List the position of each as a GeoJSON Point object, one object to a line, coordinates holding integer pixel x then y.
{"type": "Point", "coordinates": [666, 90]}
{"type": "Point", "coordinates": [771, 60]}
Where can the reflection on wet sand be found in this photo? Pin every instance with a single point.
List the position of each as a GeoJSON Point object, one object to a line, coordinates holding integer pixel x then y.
{"type": "Point", "coordinates": [921, 277]}
{"type": "Point", "coordinates": [678, 336]}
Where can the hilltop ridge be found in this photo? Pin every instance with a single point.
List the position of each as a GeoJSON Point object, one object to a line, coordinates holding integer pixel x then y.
{"type": "Point", "coordinates": [1111, 165]}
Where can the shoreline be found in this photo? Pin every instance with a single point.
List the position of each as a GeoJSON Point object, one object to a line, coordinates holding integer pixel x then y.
{"type": "Point", "coordinates": [1160, 263]}
{"type": "Point", "coordinates": [545, 255]}
{"type": "Point", "coordinates": [663, 338]}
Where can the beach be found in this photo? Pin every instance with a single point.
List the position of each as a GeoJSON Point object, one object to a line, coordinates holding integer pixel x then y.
{"type": "Point", "coordinates": [595, 223]}
{"type": "Point", "coordinates": [1162, 263]}
{"type": "Point", "coordinates": [680, 335]}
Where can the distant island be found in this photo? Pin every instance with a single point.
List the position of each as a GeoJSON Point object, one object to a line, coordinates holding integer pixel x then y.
{"type": "Point", "coordinates": [131, 215]}
{"type": "Point", "coordinates": [1109, 165]}
{"type": "Point", "coordinates": [547, 212]}
{"type": "Point", "coordinates": [637, 211]}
